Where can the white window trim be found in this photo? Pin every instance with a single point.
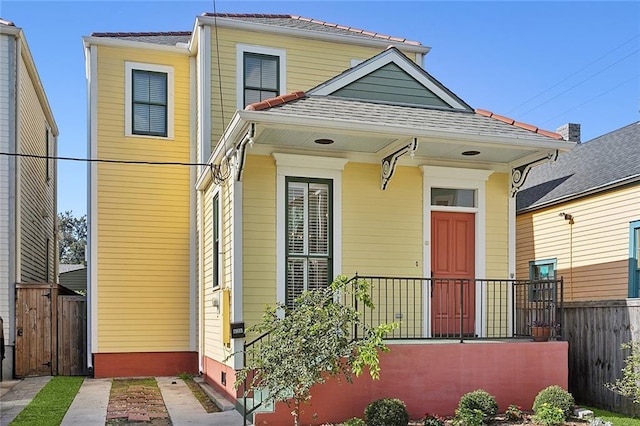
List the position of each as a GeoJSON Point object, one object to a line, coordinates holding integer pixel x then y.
{"type": "Point", "coordinates": [128, 69]}
{"type": "Point", "coordinates": [457, 178]}
{"type": "Point", "coordinates": [307, 167]}
{"type": "Point", "coordinates": [241, 49]}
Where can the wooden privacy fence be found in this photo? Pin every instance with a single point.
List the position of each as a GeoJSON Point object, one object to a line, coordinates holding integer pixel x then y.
{"type": "Point", "coordinates": [50, 331]}
{"type": "Point", "coordinates": [595, 331]}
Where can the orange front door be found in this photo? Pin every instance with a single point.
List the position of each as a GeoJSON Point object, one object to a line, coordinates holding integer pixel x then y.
{"type": "Point", "coordinates": [453, 271]}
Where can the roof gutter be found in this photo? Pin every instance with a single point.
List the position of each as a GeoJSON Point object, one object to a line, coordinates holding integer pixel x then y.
{"type": "Point", "coordinates": [253, 26]}
{"type": "Point", "coordinates": [629, 180]}
{"type": "Point", "coordinates": [116, 42]}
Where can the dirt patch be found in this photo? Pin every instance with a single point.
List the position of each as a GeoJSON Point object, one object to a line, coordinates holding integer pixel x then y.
{"type": "Point", "coordinates": [136, 401]}
{"type": "Point", "coordinates": [202, 397]}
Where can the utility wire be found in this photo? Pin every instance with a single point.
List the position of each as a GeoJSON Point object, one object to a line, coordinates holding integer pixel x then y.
{"type": "Point", "coordinates": [102, 160]}
{"type": "Point", "coordinates": [577, 72]}
{"type": "Point", "coordinates": [593, 99]}
{"type": "Point", "coordinates": [578, 84]}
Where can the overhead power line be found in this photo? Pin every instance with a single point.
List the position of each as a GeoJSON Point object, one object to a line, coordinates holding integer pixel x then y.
{"type": "Point", "coordinates": [593, 98]}
{"type": "Point", "coordinates": [575, 73]}
{"type": "Point", "coordinates": [104, 160]}
{"type": "Point", "coordinates": [578, 84]}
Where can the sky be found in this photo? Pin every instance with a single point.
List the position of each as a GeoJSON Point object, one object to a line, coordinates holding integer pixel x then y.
{"type": "Point", "coordinates": [546, 63]}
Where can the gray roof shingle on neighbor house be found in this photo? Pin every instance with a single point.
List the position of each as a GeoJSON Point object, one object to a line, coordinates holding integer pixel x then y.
{"type": "Point", "coordinates": [164, 38]}
{"type": "Point", "coordinates": [598, 164]}
{"type": "Point", "coordinates": [335, 108]}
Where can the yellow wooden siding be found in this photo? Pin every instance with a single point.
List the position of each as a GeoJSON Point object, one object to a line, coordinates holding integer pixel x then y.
{"type": "Point", "coordinates": [143, 217]}
{"type": "Point", "coordinates": [37, 193]}
{"type": "Point", "coordinates": [382, 230]}
{"type": "Point", "coordinates": [309, 63]}
{"type": "Point", "coordinates": [497, 252]}
{"type": "Point", "coordinates": [259, 236]}
{"type": "Point", "coordinates": [214, 346]}
{"type": "Point", "coordinates": [597, 262]}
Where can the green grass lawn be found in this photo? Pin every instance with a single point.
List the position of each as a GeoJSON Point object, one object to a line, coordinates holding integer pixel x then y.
{"type": "Point", "coordinates": [50, 404]}
{"type": "Point", "coordinates": [615, 418]}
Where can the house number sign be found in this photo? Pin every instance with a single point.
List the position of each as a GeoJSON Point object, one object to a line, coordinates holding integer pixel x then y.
{"type": "Point", "coordinates": [237, 330]}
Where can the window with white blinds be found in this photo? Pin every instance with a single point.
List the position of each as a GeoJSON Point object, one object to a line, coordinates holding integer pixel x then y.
{"type": "Point", "coordinates": [149, 103]}
{"type": "Point", "coordinates": [308, 241]}
{"type": "Point", "coordinates": [261, 77]}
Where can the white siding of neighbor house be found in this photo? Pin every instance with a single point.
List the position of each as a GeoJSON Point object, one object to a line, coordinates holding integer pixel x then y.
{"type": "Point", "coordinates": [6, 78]}
{"type": "Point", "coordinates": [37, 193]}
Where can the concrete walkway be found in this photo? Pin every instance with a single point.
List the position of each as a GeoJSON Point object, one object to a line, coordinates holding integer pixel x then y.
{"type": "Point", "coordinates": [17, 394]}
{"type": "Point", "coordinates": [90, 404]}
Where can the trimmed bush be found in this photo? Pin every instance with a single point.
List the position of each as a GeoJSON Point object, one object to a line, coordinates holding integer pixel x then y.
{"type": "Point", "coordinates": [479, 400]}
{"type": "Point", "coordinates": [386, 412]}
{"type": "Point", "coordinates": [548, 415]}
{"type": "Point", "coordinates": [468, 417]}
{"type": "Point", "coordinates": [557, 397]}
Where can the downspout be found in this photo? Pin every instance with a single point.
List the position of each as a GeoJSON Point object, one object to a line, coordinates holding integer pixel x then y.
{"type": "Point", "coordinates": [242, 149]}
{"type": "Point", "coordinates": [200, 283]}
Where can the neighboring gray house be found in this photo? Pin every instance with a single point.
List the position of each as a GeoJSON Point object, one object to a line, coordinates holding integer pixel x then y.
{"type": "Point", "coordinates": [579, 218]}
{"type": "Point", "coordinates": [73, 277]}
{"type": "Point", "coordinates": [28, 247]}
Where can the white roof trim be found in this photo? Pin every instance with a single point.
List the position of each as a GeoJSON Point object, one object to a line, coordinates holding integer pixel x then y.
{"type": "Point", "coordinates": [265, 28]}
{"type": "Point", "coordinates": [378, 62]}
{"type": "Point", "coordinates": [118, 42]}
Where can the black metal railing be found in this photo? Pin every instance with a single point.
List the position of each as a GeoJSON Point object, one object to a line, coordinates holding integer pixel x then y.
{"type": "Point", "coordinates": [455, 308]}
{"type": "Point", "coordinates": [249, 351]}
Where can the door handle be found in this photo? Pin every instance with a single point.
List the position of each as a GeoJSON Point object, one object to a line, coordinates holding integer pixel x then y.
{"type": "Point", "coordinates": [432, 283]}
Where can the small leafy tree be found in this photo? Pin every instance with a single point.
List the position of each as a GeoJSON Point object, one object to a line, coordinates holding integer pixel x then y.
{"type": "Point", "coordinates": [629, 384]}
{"type": "Point", "coordinates": [311, 342]}
{"type": "Point", "coordinates": [72, 238]}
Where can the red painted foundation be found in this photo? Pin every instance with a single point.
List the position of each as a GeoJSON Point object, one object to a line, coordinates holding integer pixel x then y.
{"type": "Point", "coordinates": [431, 378]}
{"type": "Point", "coordinates": [212, 374]}
{"type": "Point", "coordinates": [142, 364]}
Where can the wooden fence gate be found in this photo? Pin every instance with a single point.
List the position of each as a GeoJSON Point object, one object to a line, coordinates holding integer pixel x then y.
{"type": "Point", "coordinates": [72, 335]}
{"type": "Point", "coordinates": [50, 331]}
{"type": "Point", "coordinates": [34, 331]}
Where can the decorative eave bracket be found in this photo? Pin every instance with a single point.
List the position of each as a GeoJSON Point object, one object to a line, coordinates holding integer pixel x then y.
{"type": "Point", "coordinates": [519, 174]}
{"type": "Point", "coordinates": [389, 162]}
{"type": "Point", "coordinates": [241, 151]}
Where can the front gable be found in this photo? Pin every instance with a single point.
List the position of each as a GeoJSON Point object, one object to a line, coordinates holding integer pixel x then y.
{"type": "Point", "coordinates": [391, 77]}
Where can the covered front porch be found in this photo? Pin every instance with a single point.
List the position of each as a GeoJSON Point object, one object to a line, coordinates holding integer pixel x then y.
{"type": "Point", "coordinates": [454, 336]}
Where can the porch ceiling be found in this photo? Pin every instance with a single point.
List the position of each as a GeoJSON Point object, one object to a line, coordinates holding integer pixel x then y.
{"type": "Point", "coordinates": [382, 144]}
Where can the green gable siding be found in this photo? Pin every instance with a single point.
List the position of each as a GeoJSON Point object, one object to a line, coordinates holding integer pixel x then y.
{"type": "Point", "coordinates": [390, 84]}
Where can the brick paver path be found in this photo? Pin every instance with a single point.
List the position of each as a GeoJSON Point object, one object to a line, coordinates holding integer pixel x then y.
{"type": "Point", "coordinates": [134, 401]}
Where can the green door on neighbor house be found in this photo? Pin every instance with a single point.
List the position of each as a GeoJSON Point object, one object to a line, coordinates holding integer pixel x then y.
{"type": "Point", "coordinates": [634, 259]}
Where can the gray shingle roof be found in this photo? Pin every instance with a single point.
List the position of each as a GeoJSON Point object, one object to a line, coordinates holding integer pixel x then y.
{"type": "Point", "coordinates": [165, 38]}
{"type": "Point", "coordinates": [335, 108]}
{"type": "Point", "coordinates": [308, 24]}
{"type": "Point", "coordinates": [606, 160]}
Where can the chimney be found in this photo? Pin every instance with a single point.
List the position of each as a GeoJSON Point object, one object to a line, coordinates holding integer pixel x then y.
{"type": "Point", "coordinates": [570, 132]}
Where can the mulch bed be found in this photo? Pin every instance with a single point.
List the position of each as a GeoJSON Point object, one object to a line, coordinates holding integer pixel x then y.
{"type": "Point", "coordinates": [501, 420]}
{"type": "Point", "coordinates": [136, 401]}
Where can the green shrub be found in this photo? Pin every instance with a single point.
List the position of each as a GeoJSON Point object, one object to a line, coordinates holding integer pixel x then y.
{"type": "Point", "coordinates": [386, 412]}
{"type": "Point", "coordinates": [354, 422]}
{"type": "Point", "coordinates": [433, 420]}
{"type": "Point", "coordinates": [468, 417]}
{"type": "Point", "coordinates": [514, 413]}
{"type": "Point", "coordinates": [479, 400]}
{"type": "Point", "coordinates": [556, 397]}
{"type": "Point", "coordinates": [549, 415]}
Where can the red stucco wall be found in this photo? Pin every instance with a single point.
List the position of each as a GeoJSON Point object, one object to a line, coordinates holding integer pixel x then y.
{"type": "Point", "coordinates": [431, 377]}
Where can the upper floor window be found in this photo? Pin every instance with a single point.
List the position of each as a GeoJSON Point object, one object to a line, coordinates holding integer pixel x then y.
{"type": "Point", "coordinates": [148, 100]}
{"type": "Point", "coordinates": [261, 74]}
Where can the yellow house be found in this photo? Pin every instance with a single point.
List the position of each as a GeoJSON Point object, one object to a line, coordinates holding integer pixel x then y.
{"type": "Point", "coordinates": [28, 238]}
{"type": "Point", "coordinates": [165, 98]}
{"type": "Point", "coordinates": [259, 156]}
